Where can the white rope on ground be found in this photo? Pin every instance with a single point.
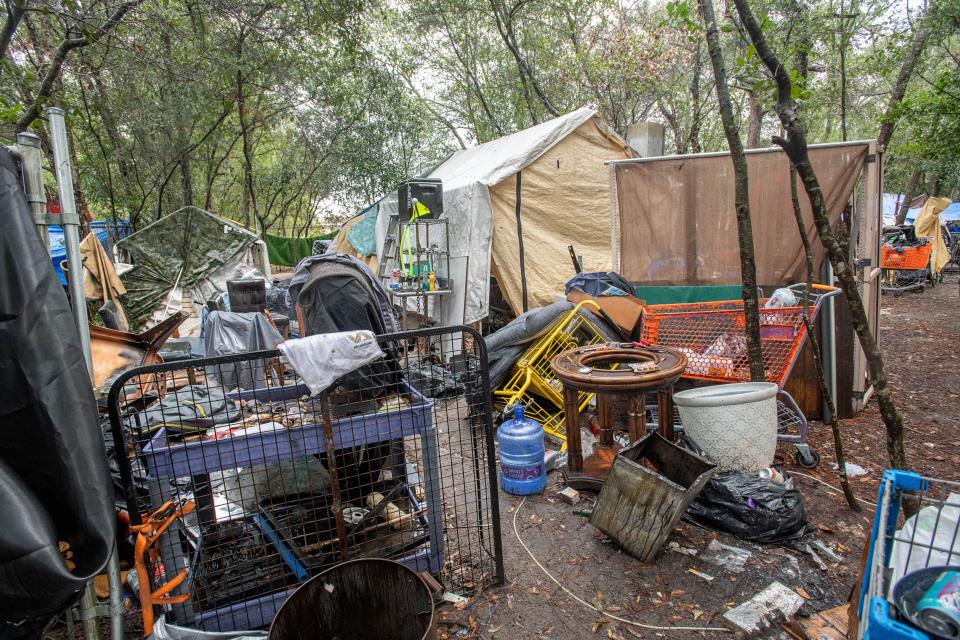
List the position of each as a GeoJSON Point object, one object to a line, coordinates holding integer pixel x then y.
{"type": "Point", "coordinates": [598, 608]}
{"type": "Point", "coordinates": [829, 486]}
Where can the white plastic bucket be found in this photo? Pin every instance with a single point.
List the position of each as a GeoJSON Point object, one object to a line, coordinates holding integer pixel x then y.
{"type": "Point", "coordinates": [734, 424]}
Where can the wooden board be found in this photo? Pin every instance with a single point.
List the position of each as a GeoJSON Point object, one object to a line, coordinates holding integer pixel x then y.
{"type": "Point", "coordinates": [824, 625]}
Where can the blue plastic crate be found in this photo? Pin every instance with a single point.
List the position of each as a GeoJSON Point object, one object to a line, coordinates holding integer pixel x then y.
{"type": "Point", "coordinates": [164, 459]}
{"type": "Point", "coordinates": [879, 619]}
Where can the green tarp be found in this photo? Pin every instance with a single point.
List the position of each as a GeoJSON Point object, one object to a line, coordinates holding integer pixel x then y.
{"type": "Point", "coordinates": [682, 295]}
{"type": "Point", "coordinates": [289, 251]}
{"type": "Point", "coordinates": [182, 249]}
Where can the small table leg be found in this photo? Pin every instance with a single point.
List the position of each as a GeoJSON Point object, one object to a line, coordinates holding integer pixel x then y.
{"type": "Point", "coordinates": [571, 420]}
{"type": "Point", "coordinates": [665, 413]}
{"type": "Point", "coordinates": [637, 414]}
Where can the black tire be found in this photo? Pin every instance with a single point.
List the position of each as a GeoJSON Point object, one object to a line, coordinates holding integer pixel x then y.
{"type": "Point", "coordinates": [807, 463]}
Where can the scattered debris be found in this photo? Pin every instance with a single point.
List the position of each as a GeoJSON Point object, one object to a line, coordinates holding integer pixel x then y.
{"type": "Point", "coordinates": [701, 574]}
{"type": "Point", "coordinates": [569, 495]}
{"type": "Point", "coordinates": [457, 601]}
{"type": "Point", "coordinates": [824, 625]}
{"type": "Point", "coordinates": [675, 547]}
{"type": "Point", "coordinates": [816, 559]}
{"type": "Point", "coordinates": [776, 603]}
{"type": "Point", "coordinates": [731, 558]}
{"type": "Point", "coordinates": [826, 551]}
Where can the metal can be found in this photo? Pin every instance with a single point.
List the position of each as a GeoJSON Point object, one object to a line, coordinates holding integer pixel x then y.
{"type": "Point", "coordinates": [773, 474]}
{"type": "Point", "coordinates": [938, 611]}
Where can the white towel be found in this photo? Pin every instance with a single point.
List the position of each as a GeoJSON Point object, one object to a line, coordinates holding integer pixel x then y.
{"type": "Point", "coordinates": [322, 359]}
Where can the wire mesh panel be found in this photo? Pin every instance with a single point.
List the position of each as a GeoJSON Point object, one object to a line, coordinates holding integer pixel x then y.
{"type": "Point", "coordinates": [394, 460]}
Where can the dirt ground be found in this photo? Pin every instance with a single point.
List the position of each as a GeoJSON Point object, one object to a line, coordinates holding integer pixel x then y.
{"type": "Point", "coordinates": [919, 334]}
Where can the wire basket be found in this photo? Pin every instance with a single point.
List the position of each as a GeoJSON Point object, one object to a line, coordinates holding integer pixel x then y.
{"type": "Point", "coordinates": [905, 258]}
{"type": "Point", "coordinates": [931, 538]}
{"type": "Point", "coordinates": [395, 460]}
{"type": "Point", "coordinates": [713, 336]}
{"type": "Point", "coordinates": [533, 382]}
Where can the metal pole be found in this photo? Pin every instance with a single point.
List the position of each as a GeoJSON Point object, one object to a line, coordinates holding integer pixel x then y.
{"type": "Point", "coordinates": [116, 595]}
{"type": "Point", "coordinates": [71, 226]}
{"type": "Point", "coordinates": [29, 146]}
{"type": "Point", "coordinates": [829, 351]}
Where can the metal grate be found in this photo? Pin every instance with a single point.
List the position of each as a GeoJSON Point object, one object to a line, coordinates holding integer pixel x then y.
{"type": "Point", "coordinates": [410, 474]}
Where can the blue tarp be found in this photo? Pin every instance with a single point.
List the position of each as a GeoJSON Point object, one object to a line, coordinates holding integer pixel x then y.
{"type": "Point", "coordinates": [108, 232]}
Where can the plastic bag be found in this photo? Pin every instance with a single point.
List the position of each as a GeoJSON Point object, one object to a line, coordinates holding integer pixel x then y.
{"type": "Point", "coordinates": [781, 298]}
{"type": "Point", "coordinates": [750, 507]}
{"type": "Point", "coordinates": [935, 532]}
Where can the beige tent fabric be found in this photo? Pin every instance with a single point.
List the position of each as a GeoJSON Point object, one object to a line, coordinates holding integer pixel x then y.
{"type": "Point", "coordinates": [565, 200]}
{"type": "Point", "coordinates": [342, 245]}
{"type": "Point", "coordinates": [928, 225]}
{"type": "Point", "coordinates": [677, 224]}
{"type": "Point", "coordinates": [100, 279]}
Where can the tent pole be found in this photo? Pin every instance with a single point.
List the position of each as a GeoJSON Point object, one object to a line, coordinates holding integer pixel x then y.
{"type": "Point", "coordinates": [71, 227]}
{"type": "Point", "coordinates": [523, 269]}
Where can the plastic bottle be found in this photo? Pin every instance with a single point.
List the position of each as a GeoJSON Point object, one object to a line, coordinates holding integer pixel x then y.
{"type": "Point", "coordinates": [433, 281]}
{"type": "Point", "coordinates": [520, 440]}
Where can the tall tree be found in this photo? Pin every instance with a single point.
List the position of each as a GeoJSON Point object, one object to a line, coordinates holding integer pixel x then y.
{"type": "Point", "coordinates": [795, 146]}
{"type": "Point", "coordinates": [748, 261]}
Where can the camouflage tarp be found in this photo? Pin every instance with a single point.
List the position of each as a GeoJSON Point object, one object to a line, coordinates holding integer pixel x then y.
{"type": "Point", "coordinates": [184, 249]}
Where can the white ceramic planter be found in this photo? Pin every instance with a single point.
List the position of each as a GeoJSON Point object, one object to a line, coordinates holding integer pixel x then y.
{"type": "Point", "coordinates": [734, 424]}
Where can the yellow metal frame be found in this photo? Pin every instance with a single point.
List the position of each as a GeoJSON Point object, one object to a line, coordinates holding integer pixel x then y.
{"type": "Point", "coordinates": [532, 373]}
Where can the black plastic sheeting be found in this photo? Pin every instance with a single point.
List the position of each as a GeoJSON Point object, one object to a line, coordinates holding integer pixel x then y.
{"type": "Point", "coordinates": [54, 480]}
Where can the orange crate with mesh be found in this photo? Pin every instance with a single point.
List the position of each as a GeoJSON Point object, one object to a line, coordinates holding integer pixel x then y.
{"type": "Point", "coordinates": [713, 337]}
{"type": "Point", "coordinates": [905, 258]}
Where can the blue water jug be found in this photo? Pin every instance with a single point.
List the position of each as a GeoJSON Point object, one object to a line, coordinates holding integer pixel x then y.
{"type": "Point", "coordinates": [520, 440]}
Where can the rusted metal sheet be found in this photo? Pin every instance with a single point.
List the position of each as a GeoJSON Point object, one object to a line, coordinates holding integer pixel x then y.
{"type": "Point", "coordinates": [116, 351]}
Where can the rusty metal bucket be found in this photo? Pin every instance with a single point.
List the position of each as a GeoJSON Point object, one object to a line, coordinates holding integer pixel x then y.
{"type": "Point", "coordinates": [366, 599]}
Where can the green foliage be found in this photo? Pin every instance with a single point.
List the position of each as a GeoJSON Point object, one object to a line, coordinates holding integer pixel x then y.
{"type": "Point", "coordinates": [288, 116]}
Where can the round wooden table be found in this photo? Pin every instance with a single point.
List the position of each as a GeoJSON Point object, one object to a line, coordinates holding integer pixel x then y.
{"type": "Point", "coordinates": [609, 370]}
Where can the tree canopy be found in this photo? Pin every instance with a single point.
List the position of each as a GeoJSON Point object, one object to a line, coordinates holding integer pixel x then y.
{"type": "Point", "coordinates": [289, 116]}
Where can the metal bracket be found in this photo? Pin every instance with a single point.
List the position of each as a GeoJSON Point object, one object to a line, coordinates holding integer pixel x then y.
{"type": "Point", "coordinates": [870, 158]}
{"type": "Point", "coordinates": [49, 218]}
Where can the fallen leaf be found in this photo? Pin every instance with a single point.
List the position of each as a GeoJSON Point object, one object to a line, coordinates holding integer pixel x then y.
{"type": "Point", "coordinates": [494, 629]}
{"type": "Point", "coordinates": [803, 593]}
{"type": "Point", "coordinates": [676, 593]}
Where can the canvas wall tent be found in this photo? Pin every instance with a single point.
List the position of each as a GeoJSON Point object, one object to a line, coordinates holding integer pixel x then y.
{"type": "Point", "coordinates": [564, 200]}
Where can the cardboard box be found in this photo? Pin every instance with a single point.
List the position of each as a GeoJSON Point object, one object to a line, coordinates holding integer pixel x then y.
{"type": "Point", "coordinates": [623, 310]}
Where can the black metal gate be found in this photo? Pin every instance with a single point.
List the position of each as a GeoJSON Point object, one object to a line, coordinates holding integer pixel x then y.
{"type": "Point", "coordinates": [395, 460]}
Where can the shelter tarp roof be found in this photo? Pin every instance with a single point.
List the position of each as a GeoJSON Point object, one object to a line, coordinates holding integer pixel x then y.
{"type": "Point", "coordinates": [183, 249]}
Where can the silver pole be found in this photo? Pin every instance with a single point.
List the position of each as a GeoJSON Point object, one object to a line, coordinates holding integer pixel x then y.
{"type": "Point", "coordinates": [116, 593]}
{"type": "Point", "coordinates": [71, 226]}
{"type": "Point", "coordinates": [29, 146]}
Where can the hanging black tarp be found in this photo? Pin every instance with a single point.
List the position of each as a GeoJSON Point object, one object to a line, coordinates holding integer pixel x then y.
{"type": "Point", "coordinates": [54, 482]}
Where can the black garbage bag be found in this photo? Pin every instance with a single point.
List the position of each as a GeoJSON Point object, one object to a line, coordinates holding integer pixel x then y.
{"type": "Point", "coordinates": [750, 507]}
{"type": "Point", "coordinates": [54, 481]}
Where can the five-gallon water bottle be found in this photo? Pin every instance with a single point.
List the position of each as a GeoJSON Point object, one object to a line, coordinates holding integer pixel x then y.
{"type": "Point", "coordinates": [520, 440]}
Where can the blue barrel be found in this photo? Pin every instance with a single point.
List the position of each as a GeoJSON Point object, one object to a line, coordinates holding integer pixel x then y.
{"type": "Point", "coordinates": [520, 441]}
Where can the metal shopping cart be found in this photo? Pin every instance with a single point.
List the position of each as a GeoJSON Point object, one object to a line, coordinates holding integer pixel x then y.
{"type": "Point", "coordinates": [713, 337]}
{"type": "Point", "coordinates": [904, 268]}
{"type": "Point", "coordinates": [533, 382]}
{"type": "Point", "coordinates": [932, 539]}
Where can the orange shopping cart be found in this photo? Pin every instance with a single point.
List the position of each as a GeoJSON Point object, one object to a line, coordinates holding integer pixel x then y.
{"type": "Point", "coordinates": [713, 337]}
{"type": "Point", "coordinates": [905, 268]}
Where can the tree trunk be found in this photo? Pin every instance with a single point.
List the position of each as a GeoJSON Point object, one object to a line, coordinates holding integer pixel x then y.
{"type": "Point", "coordinates": [920, 37]}
{"type": "Point", "coordinates": [795, 146]}
{"type": "Point", "coordinates": [831, 410]}
{"type": "Point", "coordinates": [908, 195]}
{"type": "Point", "coordinates": [755, 121]}
{"type": "Point", "coordinates": [748, 262]}
{"type": "Point", "coordinates": [186, 180]}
